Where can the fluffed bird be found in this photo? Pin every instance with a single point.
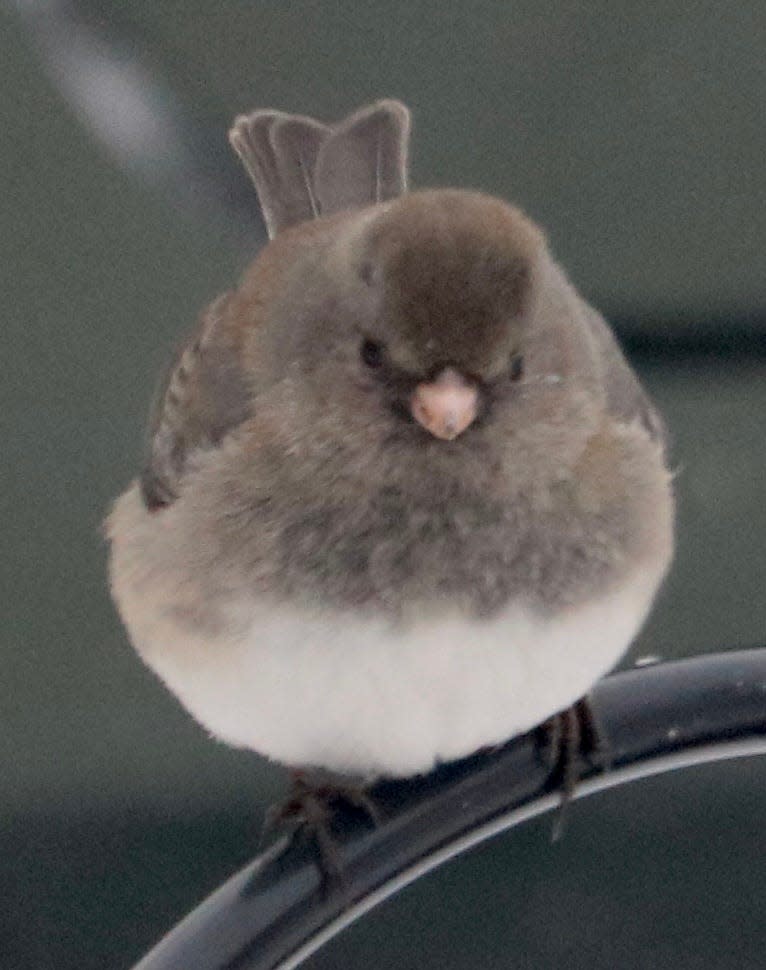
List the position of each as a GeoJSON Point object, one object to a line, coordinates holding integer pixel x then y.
{"type": "Point", "coordinates": [403, 497]}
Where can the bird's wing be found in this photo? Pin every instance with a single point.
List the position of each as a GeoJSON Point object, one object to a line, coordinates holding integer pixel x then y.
{"type": "Point", "coordinates": [303, 169]}
{"type": "Point", "coordinates": [202, 397]}
{"type": "Point", "coordinates": [626, 398]}
{"type": "Point", "coordinates": [364, 159]}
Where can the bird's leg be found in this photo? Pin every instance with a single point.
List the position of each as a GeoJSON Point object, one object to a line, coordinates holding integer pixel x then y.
{"type": "Point", "coordinates": [594, 744]}
{"type": "Point", "coordinates": [311, 807]}
{"type": "Point", "coordinates": [569, 737]}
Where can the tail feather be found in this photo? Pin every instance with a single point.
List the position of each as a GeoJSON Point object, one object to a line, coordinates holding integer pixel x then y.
{"type": "Point", "coordinates": [303, 169]}
{"type": "Point", "coordinates": [364, 160]}
{"type": "Point", "coordinates": [279, 153]}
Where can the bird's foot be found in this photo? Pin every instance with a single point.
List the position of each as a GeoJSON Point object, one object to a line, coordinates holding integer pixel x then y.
{"type": "Point", "coordinates": [313, 804]}
{"type": "Point", "coordinates": [569, 738]}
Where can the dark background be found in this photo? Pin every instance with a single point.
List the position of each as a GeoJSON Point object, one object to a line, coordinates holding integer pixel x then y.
{"type": "Point", "coordinates": [635, 135]}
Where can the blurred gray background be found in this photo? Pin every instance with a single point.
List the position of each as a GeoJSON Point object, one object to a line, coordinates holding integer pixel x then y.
{"type": "Point", "coordinates": [635, 134]}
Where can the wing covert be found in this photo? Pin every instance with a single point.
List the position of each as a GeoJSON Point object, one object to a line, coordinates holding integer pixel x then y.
{"type": "Point", "coordinates": [202, 397]}
{"type": "Point", "coordinates": [626, 398]}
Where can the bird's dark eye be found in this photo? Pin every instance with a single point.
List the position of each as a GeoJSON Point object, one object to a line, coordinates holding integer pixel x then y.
{"type": "Point", "coordinates": [371, 353]}
{"type": "Point", "coordinates": [517, 367]}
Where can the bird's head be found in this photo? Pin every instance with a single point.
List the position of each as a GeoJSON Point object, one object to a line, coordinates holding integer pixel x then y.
{"type": "Point", "coordinates": [426, 318]}
{"type": "Point", "coordinates": [450, 281]}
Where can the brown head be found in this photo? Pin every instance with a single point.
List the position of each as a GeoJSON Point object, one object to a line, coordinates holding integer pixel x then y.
{"type": "Point", "coordinates": [421, 309]}
{"type": "Point", "coordinates": [452, 278]}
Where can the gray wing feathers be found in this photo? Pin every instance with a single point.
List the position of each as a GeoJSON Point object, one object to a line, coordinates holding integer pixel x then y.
{"type": "Point", "coordinates": [203, 396]}
{"type": "Point", "coordinates": [626, 398]}
{"type": "Point", "coordinates": [303, 169]}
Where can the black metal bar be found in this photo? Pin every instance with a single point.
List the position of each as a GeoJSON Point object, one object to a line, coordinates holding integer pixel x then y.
{"type": "Point", "coordinates": [274, 913]}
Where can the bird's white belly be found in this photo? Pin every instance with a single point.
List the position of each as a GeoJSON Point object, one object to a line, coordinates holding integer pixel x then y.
{"type": "Point", "coordinates": [364, 698]}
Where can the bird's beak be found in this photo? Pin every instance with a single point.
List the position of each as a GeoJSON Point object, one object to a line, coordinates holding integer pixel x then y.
{"type": "Point", "coordinates": [445, 406]}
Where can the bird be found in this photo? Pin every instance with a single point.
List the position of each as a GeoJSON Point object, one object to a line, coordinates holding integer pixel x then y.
{"type": "Point", "coordinates": [403, 498]}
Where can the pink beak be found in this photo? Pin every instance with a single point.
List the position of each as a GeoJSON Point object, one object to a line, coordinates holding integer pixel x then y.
{"type": "Point", "coordinates": [445, 406]}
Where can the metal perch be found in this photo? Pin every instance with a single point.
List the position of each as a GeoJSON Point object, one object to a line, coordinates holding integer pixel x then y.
{"type": "Point", "coordinates": [275, 913]}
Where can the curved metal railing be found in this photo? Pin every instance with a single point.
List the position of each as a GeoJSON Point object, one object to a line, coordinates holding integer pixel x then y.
{"type": "Point", "coordinates": [276, 912]}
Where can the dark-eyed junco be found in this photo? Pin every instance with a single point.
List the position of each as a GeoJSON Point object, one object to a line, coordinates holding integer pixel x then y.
{"type": "Point", "coordinates": [403, 496]}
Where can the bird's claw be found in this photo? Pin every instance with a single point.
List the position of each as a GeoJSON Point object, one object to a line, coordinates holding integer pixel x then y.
{"type": "Point", "coordinates": [310, 810]}
{"type": "Point", "coordinates": [569, 738]}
